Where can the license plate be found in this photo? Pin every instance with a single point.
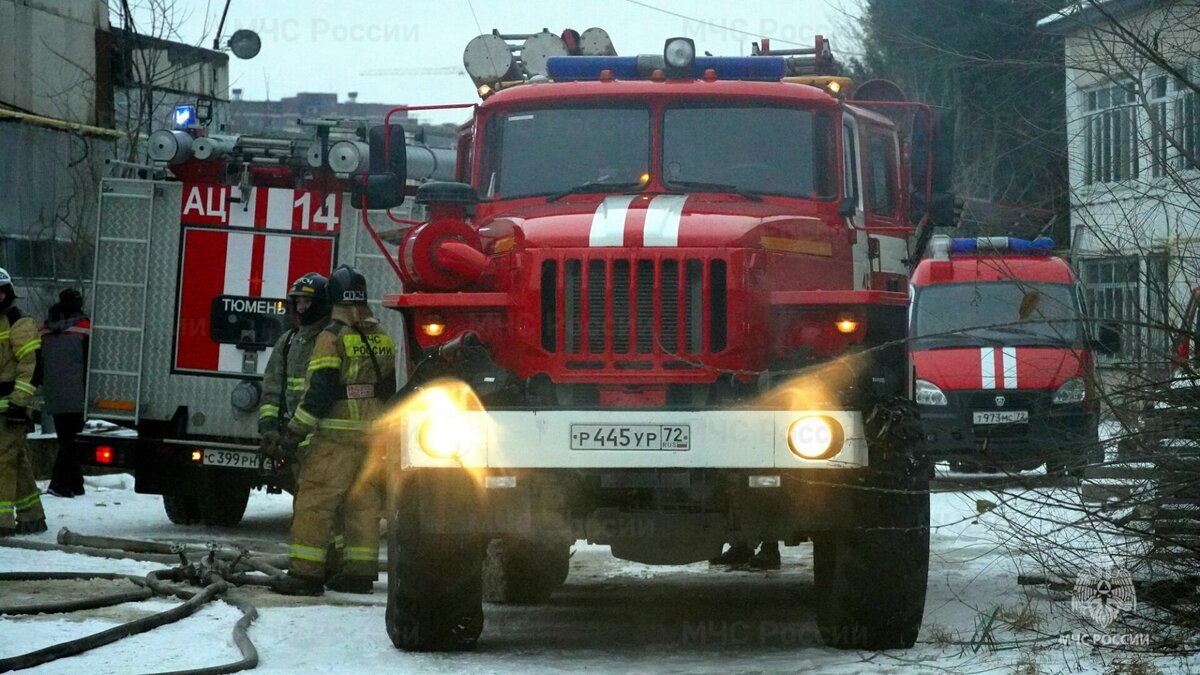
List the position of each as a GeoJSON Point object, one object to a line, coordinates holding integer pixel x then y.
{"type": "Point", "coordinates": [631, 437]}
{"type": "Point", "coordinates": [234, 458]}
{"type": "Point", "coordinates": [1002, 417]}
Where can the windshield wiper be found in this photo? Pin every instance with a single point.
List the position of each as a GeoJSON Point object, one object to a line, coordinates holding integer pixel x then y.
{"type": "Point", "coordinates": [595, 186]}
{"type": "Point", "coordinates": [716, 187]}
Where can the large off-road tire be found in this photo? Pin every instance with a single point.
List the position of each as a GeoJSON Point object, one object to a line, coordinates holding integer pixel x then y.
{"type": "Point", "coordinates": [871, 579]}
{"type": "Point", "coordinates": [224, 500]}
{"type": "Point", "coordinates": [524, 572]}
{"type": "Point", "coordinates": [435, 586]}
{"type": "Point", "coordinates": [182, 509]}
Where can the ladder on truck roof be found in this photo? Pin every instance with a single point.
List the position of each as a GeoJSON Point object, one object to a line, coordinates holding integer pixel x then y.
{"type": "Point", "coordinates": [118, 310]}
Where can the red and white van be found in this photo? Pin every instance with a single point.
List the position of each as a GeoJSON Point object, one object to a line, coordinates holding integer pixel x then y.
{"type": "Point", "coordinates": [1004, 364]}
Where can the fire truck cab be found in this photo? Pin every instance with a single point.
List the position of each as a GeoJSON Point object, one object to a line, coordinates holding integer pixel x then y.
{"type": "Point", "coordinates": [1004, 366]}
{"type": "Point", "coordinates": [663, 308]}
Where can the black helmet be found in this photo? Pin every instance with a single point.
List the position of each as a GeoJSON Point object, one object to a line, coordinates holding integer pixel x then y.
{"type": "Point", "coordinates": [311, 285]}
{"type": "Point", "coordinates": [346, 286]}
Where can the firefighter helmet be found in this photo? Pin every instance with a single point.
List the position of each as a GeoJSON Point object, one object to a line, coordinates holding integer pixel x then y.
{"type": "Point", "coordinates": [6, 283]}
{"type": "Point", "coordinates": [346, 286]}
{"type": "Point", "coordinates": [311, 285]}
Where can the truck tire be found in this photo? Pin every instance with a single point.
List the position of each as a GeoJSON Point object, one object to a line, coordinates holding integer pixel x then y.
{"type": "Point", "coordinates": [871, 579]}
{"type": "Point", "coordinates": [524, 572]}
{"type": "Point", "coordinates": [182, 509]}
{"type": "Point", "coordinates": [224, 500]}
{"type": "Point", "coordinates": [435, 586]}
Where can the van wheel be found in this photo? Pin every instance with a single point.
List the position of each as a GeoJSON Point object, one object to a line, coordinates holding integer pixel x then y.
{"type": "Point", "coordinates": [182, 509]}
{"type": "Point", "coordinates": [224, 501]}
{"type": "Point", "coordinates": [524, 572]}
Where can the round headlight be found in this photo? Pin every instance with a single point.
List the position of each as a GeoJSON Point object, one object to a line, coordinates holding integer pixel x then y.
{"type": "Point", "coordinates": [442, 437]}
{"type": "Point", "coordinates": [815, 437]}
{"type": "Point", "coordinates": [679, 52]}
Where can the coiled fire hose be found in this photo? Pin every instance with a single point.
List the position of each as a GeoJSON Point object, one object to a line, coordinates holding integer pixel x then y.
{"type": "Point", "coordinates": [216, 571]}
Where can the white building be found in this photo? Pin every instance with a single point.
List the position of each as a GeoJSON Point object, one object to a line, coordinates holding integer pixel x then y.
{"type": "Point", "coordinates": [1133, 131]}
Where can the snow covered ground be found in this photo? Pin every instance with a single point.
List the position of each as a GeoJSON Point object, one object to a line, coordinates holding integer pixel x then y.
{"type": "Point", "coordinates": [612, 616]}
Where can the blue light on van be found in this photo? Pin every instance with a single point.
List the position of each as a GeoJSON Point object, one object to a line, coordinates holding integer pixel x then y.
{"type": "Point", "coordinates": [762, 68]}
{"type": "Point", "coordinates": [1000, 244]}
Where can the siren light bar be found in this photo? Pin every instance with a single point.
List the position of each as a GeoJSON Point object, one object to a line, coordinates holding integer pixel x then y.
{"type": "Point", "coordinates": [1000, 244]}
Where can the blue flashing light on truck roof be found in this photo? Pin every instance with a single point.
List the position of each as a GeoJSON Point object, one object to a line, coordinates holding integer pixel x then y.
{"type": "Point", "coordinates": [761, 68]}
{"type": "Point", "coordinates": [1000, 245]}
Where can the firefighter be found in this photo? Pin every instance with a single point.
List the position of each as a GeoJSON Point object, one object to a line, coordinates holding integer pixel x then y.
{"type": "Point", "coordinates": [283, 381]}
{"type": "Point", "coordinates": [20, 503]}
{"type": "Point", "coordinates": [351, 375]}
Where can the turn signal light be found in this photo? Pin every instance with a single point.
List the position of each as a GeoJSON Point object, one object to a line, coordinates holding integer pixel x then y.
{"type": "Point", "coordinates": [433, 326]}
{"type": "Point", "coordinates": [105, 454]}
{"type": "Point", "coordinates": [846, 325]}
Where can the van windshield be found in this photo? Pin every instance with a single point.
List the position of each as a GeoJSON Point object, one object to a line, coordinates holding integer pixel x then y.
{"type": "Point", "coordinates": [1009, 312]}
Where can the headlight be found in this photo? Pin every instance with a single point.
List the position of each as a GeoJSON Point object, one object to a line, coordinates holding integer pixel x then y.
{"type": "Point", "coordinates": [443, 436]}
{"type": "Point", "coordinates": [928, 393]}
{"type": "Point", "coordinates": [815, 437]}
{"type": "Point", "coordinates": [679, 52]}
{"type": "Point", "coordinates": [1073, 390]}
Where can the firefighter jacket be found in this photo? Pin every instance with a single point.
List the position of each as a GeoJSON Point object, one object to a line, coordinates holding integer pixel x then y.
{"type": "Point", "coordinates": [64, 359]}
{"type": "Point", "coordinates": [283, 381]}
{"type": "Point", "coordinates": [19, 344]}
{"type": "Point", "coordinates": [351, 374]}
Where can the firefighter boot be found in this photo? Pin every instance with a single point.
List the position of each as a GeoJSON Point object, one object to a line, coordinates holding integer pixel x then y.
{"type": "Point", "coordinates": [31, 526]}
{"type": "Point", "coordinates": [291, 584]}
{"type": "Point", "coordinates": [767, 557]}
{"type": "Point", "coordinates": [350, 583]}
{"type": "Point", "coordinates": [737, 554]}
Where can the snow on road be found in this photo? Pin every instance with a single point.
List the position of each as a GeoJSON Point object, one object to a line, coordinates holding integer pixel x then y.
{"type": "Point", "coordinates": [612, 615]}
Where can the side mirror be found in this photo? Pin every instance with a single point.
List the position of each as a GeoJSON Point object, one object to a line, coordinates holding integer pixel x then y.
{"type": "Point", "coordinates": [1109, 340]}
{"type": "Point", "coordinates": [382, 187]}
{"type": "Point", "coordinates": [376, 190]}
{"type": "Point", "coordinates": [931, 165]}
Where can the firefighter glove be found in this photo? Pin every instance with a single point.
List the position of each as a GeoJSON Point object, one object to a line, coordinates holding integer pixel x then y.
{"type": "Point", "coordinates": [289, 444]}
{"type": "Point", "coordinates": [268, 441]}
{"type": "Point", "coordinates": [17, 416]}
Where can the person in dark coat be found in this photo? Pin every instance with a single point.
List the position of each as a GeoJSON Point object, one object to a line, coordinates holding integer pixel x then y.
{"type": "Point", "coordinates": [64, 359]}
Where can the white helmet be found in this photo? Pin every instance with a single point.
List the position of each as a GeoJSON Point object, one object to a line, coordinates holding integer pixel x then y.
{"type": "Point", "coordinates": [6, 280]}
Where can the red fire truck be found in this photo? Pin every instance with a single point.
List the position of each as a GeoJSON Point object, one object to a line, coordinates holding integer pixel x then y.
{"type": "Point", "coordinates": [193, 263]}
{"type": "Point", "coordinates": [663, 307]}
{"type": "Point", "coordinates": [1005, 368]}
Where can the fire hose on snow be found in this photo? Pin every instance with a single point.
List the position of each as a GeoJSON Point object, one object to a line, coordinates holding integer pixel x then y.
{"type": "Point", "coordinates": [217, 570]}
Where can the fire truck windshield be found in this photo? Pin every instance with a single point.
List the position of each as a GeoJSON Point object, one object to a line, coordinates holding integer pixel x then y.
{"type": "Point", "coordinates": [542, 152]}
{"type": "Point", "coordinates": [759, 150]}
{"type": "Point", "coordinates": [1010, 313]}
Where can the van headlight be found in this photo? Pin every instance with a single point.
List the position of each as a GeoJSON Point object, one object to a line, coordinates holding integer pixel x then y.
{"type": "Point", "coordinates": [815, 437]}
{"type": "Point", "coordinates": [928, 393]}
{"type": "Point", "coordinates": [1074, 390]}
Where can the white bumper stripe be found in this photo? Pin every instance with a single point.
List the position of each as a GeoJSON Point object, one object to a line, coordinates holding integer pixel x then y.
{"type": "Point", "coordinates": [662, 220]}
{"type": "Point", "coordinates": [754, 439]}
{"type": "Point", "coordinates": [608, 222]}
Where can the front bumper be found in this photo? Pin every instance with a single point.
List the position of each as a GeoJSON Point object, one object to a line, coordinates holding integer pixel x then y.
{"type": "Point", "coordinates": [1052, 429]}
{"type": "Point", "coordinates": [516, 439]}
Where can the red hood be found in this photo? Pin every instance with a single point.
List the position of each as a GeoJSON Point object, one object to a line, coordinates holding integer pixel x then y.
{"type": "Point", "coordinates": [662, 220]}
{"type": "Point", "coordinates": [972, 368]}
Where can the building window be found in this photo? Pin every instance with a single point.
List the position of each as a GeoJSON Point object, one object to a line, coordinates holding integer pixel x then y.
{"type": "Point", "coordinates": [1111, 296]}
{"type": "Point", "coordinates": [1157, 104]}
{"type": "Point", "coordinates": [1110, 135]}
{"type": "Point", "coordinates": [1187, 126]}
{"type": "Point", "coordinates": [28, 259]}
